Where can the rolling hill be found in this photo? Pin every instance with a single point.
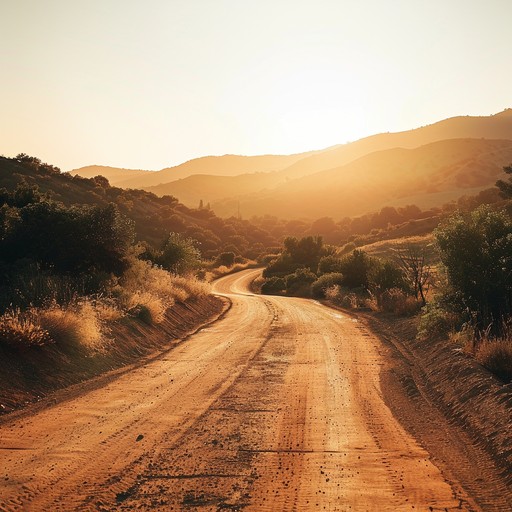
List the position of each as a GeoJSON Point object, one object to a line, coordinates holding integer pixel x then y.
{"type": "Point", "coordinates": [347, 179]}
{"type": "Point", "coordinates": [427, 176]}
{"type": "Point", "coordinates": [226, 165]}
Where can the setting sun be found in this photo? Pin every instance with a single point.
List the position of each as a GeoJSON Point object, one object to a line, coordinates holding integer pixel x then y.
{"type": "Point", "coordinates": [147, 86]}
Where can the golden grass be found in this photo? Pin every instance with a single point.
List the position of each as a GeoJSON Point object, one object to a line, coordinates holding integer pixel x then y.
{"type": "Point", "coordinates": [496, 356]}
{"type": "Point", "coordinates": [20, 331]}
{"type": "Point", "coordinates": [148, 291]}
{"type": "Point", "coordinates": [77, 325]}
{"type": "Point", "coordinates": [386, 249]}
{"type": "Point", "coordinates": [223, 270]}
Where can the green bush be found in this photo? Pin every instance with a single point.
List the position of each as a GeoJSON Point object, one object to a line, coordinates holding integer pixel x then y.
{"type": "Point", "coordinates": [357, 268]}
{"type": "Point", "coordinates": [324, 282]}
{"type": "Point", "coordinates": [299, 283]}
{"type": "Point", "coordinates": [329, 264]}
{"type": "Point", "coordinates": [387, 276]}
{"type": "Point", "coordinates": [476, 250]}
{"type": "Point", "coordinates": [273, 285]}
{"type": "Point", "coordinates": [437, 321]}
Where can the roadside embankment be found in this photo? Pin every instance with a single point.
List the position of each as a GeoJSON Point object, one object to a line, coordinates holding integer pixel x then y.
{"type": "Point", "coordinates": [465, 392]}
{"type": "Point", "coordinates": [32, 375]}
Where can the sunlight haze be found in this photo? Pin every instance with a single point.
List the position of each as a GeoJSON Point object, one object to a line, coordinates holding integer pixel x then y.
{"type": "Point", "coordinates": [152, 84]}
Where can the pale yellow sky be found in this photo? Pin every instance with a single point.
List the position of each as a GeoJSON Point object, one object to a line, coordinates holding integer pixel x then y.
{"type": "Point", "coordinates": [148, 84]}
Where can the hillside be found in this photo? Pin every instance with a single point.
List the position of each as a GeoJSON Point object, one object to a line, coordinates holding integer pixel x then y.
{"type": "Point", "coordinates": [498, 126]}
{"type": "Point", "coordinates": [114, 175]}
{"type": "Point", "coordinates": [225, 194]}
{"type": "Point", "coordinates": [226, 165]}
{"type": "Point", "coordinates": [428, 176]}
{"type": "Point", "coordinates": [153, 217]}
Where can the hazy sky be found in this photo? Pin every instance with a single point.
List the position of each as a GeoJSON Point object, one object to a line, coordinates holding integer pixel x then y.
{"type": "Point", "coordinates": [148, 84]}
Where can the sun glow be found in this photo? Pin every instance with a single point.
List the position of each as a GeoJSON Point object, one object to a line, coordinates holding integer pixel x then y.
{"type": "Point", "coordinates": [179, 80]}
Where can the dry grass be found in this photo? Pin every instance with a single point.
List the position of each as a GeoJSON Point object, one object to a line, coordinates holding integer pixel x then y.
{"type": "Point", "coordinates": [20, 331]}
{"type": "Point", "coordinates": [217, 272]}
{"type": "Point", "coordinates": [496, 356]}
{"type": "Point", "coordinates": [77, 325]}
{"type": "Point", "coordinates": [397, 302]}
{"type": "Point", "coordinates": [336, 295]}
{"type": "Point", "coordinates": [148, 291]}
{"type": "Point", "coordinates": [108, 310]}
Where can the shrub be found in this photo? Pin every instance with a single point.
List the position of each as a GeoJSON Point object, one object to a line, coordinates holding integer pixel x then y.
{"type": "Point", "coordinates": [324, 282]}
{"type": "Point", "coordinates": [356, 269]}
{"type": "Point", "coordinates": [475, 249]}
{"type": "Point", "coordinates": [19, 331]}
{"type": "Point", "coordinates": [386, 276]}
{"type": "Point", "coordinates": [396, 301]}
{"type": "Point", "coordinates": [437, 322]}
{"type": "Point", "coordinates": [179, 254]}
{"type": "Point", "coordinates": [299, 283]}
{"type": "Point", "coordinates": [344, 297]}
{"type": "Point", "coordinates": [349, 300]}
{"type": "Point", "coordinates": [75, 326]}
{"type": "Point", "coordinates": [329, 264]}
{"type": "Point", "coordinates": [273, 285]}
{"type": "Point", "coordinates": [225, 258]}
{"type": "Point", "coordinates": [333, 294]}
{"type": "Point", "coordinates": [496, 356]}
{"type": "Point", "coordinates": [148, 307]}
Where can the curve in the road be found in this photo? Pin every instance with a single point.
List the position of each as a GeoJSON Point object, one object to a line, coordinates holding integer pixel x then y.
{"type": "Point", "coordinates": [276, 407]}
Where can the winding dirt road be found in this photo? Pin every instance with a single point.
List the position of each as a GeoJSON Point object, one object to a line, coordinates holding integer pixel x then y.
{"type": "Point", "coordinates": [276, 407]}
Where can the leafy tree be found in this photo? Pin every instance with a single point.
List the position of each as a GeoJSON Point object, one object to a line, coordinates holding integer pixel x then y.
{"type": "Point", "coordinates": [179, 254]}
{"type": "Point", "coordinates": [69, 239]}
{"type": "Point", "coordinates": [356, 269]}
{"type": "Point", "coordinates": [388, 275]}
{"type": "Point", "coordinates": [476, 249]}
{"type": "Point", "coordinates": [506, 186]}
{"type": "Point", "coordinates": [226, 258]}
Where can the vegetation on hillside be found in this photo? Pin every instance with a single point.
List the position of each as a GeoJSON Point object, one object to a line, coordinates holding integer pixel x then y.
{"type": "Point", "coordinates": [68, 270]}
{"type": "Point", "coordinates": [309, 268]}
{"type": "Point", "coordinates": [460, 278]}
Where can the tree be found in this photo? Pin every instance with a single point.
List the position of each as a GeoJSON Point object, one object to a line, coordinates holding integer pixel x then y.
{"type": "Point", "coordinates": [416, 271]}
{"type": "Point", "coordinates": [506, 186]}
{"type": "Point", "coordinates": [179, 254]}
{"type": "Point", "coordinates": [76, 240]}
{"type": "Point", "coordinates": [476, 250]}
{"type": "Point", "coordinates": [356, 269]}
{"type": "Point", "coordinates": [388, 275]}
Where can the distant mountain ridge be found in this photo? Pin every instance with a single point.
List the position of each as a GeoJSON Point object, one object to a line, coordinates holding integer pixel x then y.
{"type": "Point", "coordinates": [299, 185]}
{"type": "Point", "coordinates": [226, 165]}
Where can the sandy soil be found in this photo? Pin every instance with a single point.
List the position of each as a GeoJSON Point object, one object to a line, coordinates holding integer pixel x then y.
{"type": "Point", "coordinates": [276, 407]}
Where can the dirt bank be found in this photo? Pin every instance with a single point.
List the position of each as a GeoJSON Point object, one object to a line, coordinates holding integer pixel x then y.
{"type": "Point", "coordinates": [461, 403]}
{"type": "Point", "coordinates": [31, 376]}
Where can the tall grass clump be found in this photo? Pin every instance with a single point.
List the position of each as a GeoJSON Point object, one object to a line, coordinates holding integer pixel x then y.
{"type": "Point", "coordinates": [147, 290]}
{"type": "Point", "coordinates": [397, 302]}
{"type": "Point", "coordinates": [20, 331]}
{"type": "Point", "coordinates": [76, 326]}
{"type": "Point", "coordinates": [496, 356]}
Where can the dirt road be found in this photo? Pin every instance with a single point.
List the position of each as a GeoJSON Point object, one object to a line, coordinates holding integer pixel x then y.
{"type": "Point", "coordinates": [276, 407]}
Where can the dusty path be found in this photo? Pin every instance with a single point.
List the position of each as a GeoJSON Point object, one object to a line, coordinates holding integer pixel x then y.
{"type": "Point", "coordinates": [277, 407]}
